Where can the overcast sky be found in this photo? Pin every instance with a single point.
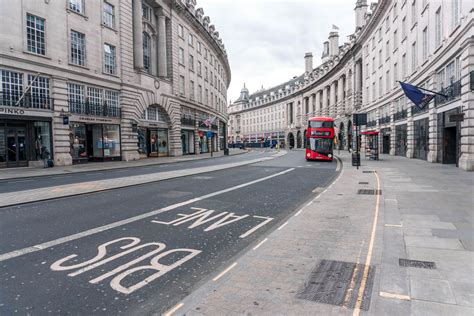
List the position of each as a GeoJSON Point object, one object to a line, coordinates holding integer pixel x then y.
{"type": "Point", "coordinates": [266, 40]}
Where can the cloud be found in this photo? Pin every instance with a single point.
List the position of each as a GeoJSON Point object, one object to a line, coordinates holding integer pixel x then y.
{"type": "Point", "coordinates": [266, 39]}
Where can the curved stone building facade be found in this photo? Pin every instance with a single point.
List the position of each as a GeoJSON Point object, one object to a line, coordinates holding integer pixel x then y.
{"type": "Point", "coordinates": [109, 80]}
{"type": "Point", "coordinates": [426, 43]}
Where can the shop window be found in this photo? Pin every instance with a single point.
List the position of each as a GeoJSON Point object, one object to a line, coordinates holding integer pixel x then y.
{"type": "Point", "coordinates": [43, 140]}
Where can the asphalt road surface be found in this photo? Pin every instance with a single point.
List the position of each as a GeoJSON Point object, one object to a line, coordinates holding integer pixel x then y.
{"type": "Point", "coordinates": [142, 249]}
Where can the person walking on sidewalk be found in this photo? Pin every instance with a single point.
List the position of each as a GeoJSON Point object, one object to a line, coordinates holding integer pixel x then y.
{"type": "Point", "coordinates": [45, 156]}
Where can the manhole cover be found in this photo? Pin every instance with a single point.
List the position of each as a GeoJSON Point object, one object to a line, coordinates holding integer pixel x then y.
{"type": "Point", "coordinates": [369, 192]}
{"type": "Point", "coordinates": [337, 283]}
{"type": "Point", "coordinates": [416, 264]}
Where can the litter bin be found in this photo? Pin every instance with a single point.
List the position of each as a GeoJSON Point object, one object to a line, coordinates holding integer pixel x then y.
{"type": "Point", "coordinates": [355, 159]}
{"type": "Point", "coordinates": [226, 151]}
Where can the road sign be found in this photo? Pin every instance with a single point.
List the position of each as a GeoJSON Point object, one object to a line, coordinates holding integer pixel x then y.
{"type": "Point", "coordinates": [209, 134]}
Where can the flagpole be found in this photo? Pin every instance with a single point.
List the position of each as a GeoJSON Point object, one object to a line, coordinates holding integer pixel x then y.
{"type": "Point", "coordinates": [444, 95]}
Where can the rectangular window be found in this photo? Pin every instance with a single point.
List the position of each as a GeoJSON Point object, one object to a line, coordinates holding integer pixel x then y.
{"type": "Point", "coordinates": [190, 39]}
{"type": "Point", "coordinates": [441, 79]}
{"type": "Point", "coordinates": [404, 27]}
{"type": "Point", "coordinates": [413, 12]}
{"type": "Point", "coordinates": [414, 61]}
{"type": "Point", "coordinates": [77, 6]}
{"type": "Point", "coordinates": [456, 13]}
{"type": "Point", "coordinates": [380, 58]}
{"type": "Point", "coordinates": [206, 97]}
{"type": "Point", "coordinates": [395, 74]}
{"type": "Point", "coordinates": [387, 81]}
{"type": "Point", "coordinates": [78, 48]}
{"type": "Point", "coordinates": [35, 34]}
{"type": "Point", "coordinates": [11, 87]}
{"type": "Point", "coordinates": [181, 56]}
{"type": "Point", "coordinates": [146, 12]}
{"type": "Point", "coordinates": [380, 87]}
{"type": "Point", "coordinates": [212, 79]}
{"type": "Point", "coordinates": [180, 31]}
{"type": "Point", "coordinates": [199, 93]}
{"type": "Point", "coordinates": [199, 47]}
{"type": "Point", "coordinates": [404, 65]}
{"type": "Point", "coordinates": [109, 59]}
{"type": "Point", "coordinates": [395, 39]}
{"type": "Point", "coordinates": [95, 98]}
{"type": "Point", "coordinates": [438, 28]}
{"type": "Point", "coordinates": [108, 16]}
{"type": "Point", "coordinates": [112, 103]}
{"type": "Point", "coordinates": [425, 43]}
{"type": "Point", "coordinates": [212, 100]}
{"type": "Point", "coordinates": [151, 113]}
{"type": "Point", "coordinates": [387, 50]}
{"type": "Point", "coordinates": [199, 72]}
{"type": "Point", "coordinates": [373, 64]}
{"type": "Point", "coordinates": [191, 90]}
{"type": "Point", "coordinates": [75, 96]}
{"type": "Point", "coordinates": [39, 92]}
{"type": "Point", "coordinates": [191, 62]}
{"type": "Point", "coordinates": [181, 85]}
{"type": "Point", "coordinates": [205, 73]}
{"type": "Point", "coordinates": [146, 52]}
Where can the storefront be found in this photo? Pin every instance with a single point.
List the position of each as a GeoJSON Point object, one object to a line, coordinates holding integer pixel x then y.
{"type": "Point", "coordinates": [187, 141]}
{"type": "Point", "coordinates": [421, 139]}
{"type": "Point", "coordinates": [94, 139]}
{"type": "Point", "coordinates": [153, 140]}
{"type": "Point", "coordinates": [449, 136]}
{"type": "Point", "coordinates": [385, 137]}
{"type": "Point", "coordinates": [401, 140]}
{"type": "Point", "coordinates": [24, 136]}
{"type": "Point", "coordinates": [203, 142]}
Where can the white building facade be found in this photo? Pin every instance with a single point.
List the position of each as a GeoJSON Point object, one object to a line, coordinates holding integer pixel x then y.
{"type": "Point", "coordinates": [427, 43]}
{"type": "Point", "coordinates": [109, 80]}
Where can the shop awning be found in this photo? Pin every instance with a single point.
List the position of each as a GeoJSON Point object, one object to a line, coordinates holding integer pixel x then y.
{"type": "Point", "coordinates": [370, 133]}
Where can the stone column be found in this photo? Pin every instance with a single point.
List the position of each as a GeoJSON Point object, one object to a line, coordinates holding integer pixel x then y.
{"type": "Point", "coordinates": [340, 97]}
{"type": "Point", "coordinates": [318, 100]}
{"type": "Point", "coordinates": [410, 133]}
{"type": "Point", "coordinates": [61, 142]}
{"type": "Point", "coordinates": [325, 109]}
{"type": "Point", "coordinates": [162, 56]}
{"type": "Point", "coordinates": [358, 81]}
{"type": "Point", "coordinates": [432, 127]}
{"type": "Point", "coordinates": [466, 161]}
{"type": "Point", "coordinates": [392, 128]}
{"type": "Point", "coordinates": [332, 99]}
{"type": "Point", "coordinates": [137, 35]}
{"type": "Point", "coordinates": [197, 149]}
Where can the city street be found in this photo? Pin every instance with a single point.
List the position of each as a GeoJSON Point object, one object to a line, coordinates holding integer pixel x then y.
{"type": "Point", "coordinates": [143, 248]}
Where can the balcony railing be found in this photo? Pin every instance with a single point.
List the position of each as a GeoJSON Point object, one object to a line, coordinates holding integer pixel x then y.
{"type": "Point", "coordinates": [417, 110]}
{"type": "Point", "coordinates": [86, 108]}
{"type": "Point", "coordinates": [371, 123]}
{"type": "Point", "coordinates": [384, 120]}
{"type": "Point", "coordinates": [452, 92]}
{"type": "Point", "coordinates": [400, 115]}
{"type": "Point", "coordinates": [188, 121]}
{"type": "Point", "coordinates": [34, 101]}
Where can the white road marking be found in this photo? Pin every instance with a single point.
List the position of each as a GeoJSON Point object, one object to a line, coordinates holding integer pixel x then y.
{"type": "Point", "coordinates": [282, 226]}
{"type": "Point", "coordinates": [393, 225]}
{"type": "Point", "coordinates": [174, 309]}
{"type": "Point", "coordinates": [267, 219]}
{"type": "Point", "coordinates": [21, 252]}
{"type": "Point", "coordinates": [224, 272]}
{"type": "Point", "coordinates": [309, 203]}
{"type": "Point", "coordinates": [299, 212]}
{"type": "Point", "coordinates": [259, 244]}
{"type": "Point", "coordinates": [396, 296]}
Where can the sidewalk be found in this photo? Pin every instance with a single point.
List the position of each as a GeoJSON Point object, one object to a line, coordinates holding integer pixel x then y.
{"type": "Point", "coordinates": [13, 173]}
{"type": "Point", "coordinates": [316, 262]}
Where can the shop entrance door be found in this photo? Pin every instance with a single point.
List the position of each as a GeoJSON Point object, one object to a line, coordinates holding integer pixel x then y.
{"type": "Point", "coordinates": [386, 144]}
{"type": "Point", "coordinates": [16, 147]}
{"type": "Point", "coordinates": [450, 145]}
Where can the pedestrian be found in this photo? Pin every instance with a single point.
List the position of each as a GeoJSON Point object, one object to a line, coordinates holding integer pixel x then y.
{"type": "Point", "coordinates": [45, 155]}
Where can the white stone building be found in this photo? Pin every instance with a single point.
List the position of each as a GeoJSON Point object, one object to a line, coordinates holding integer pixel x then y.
{"type": "Point", "coordinates": [108, 80]}
{"type": "Point", "coordinates": [428, 43]}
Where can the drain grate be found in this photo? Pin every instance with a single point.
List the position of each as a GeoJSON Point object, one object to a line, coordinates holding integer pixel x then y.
{"type": "Point", "coordinates": [416, 264]}
{"type": "Point", "coordinates": [368, 171]}
{"type": "Point", "coordinates": [337, 283]}
{"type": "Point", "coordinates": [362, 182]}
{"type": "Point", "coordinates": [369, 192]}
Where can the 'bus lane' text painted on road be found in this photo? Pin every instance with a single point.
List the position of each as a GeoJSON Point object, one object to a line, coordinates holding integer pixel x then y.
{"type": "Point", "coordinates": [205, 216]}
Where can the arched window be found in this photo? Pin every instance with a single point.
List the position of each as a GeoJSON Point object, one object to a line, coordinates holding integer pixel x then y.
{"type": "Point", "coordinates": [146, 51]}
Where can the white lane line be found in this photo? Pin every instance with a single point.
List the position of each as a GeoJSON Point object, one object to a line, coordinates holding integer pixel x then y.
{"type": "Point", "coordinates": [299, 212]}
{"type": "Point", "coordinates": [20, 252]}
{"type": "Point", "coordinates": [309, 203]}
{"type": "Point", "coordinates": [174, 309]}
{"type": "Point", "coordinates": [396, 296]}
{"type": "Point", "coordinates": [224, 272]}
{"type": "Point", "coordinates": [259, 244]}
{"type": "Point", "coordinates": [282, 226]}
{"type": "Point", "coordinates": [393, 225]}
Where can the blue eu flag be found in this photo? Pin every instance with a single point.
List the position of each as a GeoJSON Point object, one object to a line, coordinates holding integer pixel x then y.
{"type": "Point", "coordinates": [419, 98]}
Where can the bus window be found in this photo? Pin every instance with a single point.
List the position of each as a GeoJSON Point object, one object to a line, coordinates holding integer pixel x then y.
{"type": "Point", "coordinates": [321, 145]}
{"type": "Point", "coordinates": [316, 124]}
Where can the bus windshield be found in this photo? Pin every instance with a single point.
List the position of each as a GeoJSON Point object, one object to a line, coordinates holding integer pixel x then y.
{"type": "Point", "coordinates": [315, 124]}
{"type": "Point", "coordinates": [321, 145]}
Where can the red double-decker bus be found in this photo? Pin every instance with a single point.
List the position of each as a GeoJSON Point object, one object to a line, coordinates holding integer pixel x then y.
{"type": "Point", "coordinates": [320, 138]}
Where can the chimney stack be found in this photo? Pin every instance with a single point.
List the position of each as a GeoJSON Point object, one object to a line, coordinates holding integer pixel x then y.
{"type": "Point", "coordinates": [333, 43]}
{"type": "Point", "coordinates": [308, 62]}
{"type": "Point", "coordinates": [360, 11]}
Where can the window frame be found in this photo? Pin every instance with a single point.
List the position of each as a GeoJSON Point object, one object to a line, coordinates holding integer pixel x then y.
{"type": "Point", "coordinates": [39, 47]}
{"type": "Point", "coordinates": [72, 59]}
{"type": "Point", "coordinates": [106, 16]}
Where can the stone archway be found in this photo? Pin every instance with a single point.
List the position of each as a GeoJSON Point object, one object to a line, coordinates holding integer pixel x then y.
{"type": "Point", "coordinates": [291, 140]}
{"type": "Point", "coordinates": [349, 135]}
{"type": "Point", "coordinates": [298, 139]}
